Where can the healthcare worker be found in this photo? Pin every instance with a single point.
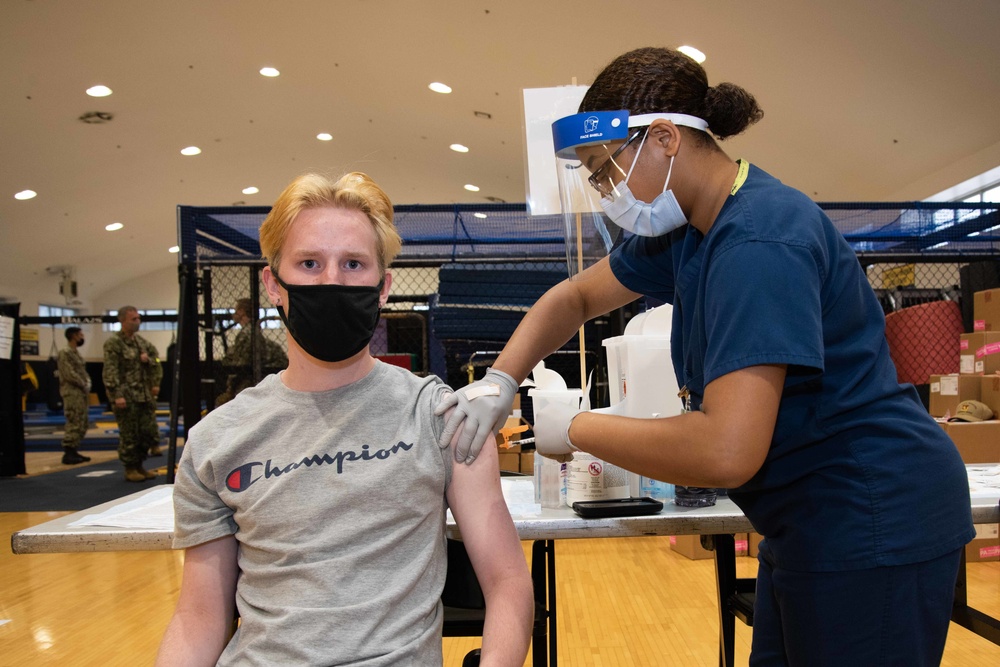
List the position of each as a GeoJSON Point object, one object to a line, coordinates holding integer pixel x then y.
{"type": "Point", "coordinates": [791, 398]}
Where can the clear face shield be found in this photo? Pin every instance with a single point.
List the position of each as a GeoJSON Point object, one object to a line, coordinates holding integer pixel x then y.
{"type": "Point", "coordinates": [580, 142]}
{"type": "Point", "coordinates": [592, 164]}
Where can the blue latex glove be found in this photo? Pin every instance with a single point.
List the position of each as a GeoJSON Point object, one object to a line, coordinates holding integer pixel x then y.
{"type": "Point", "coordinates": [552, 431]}
{"type": "Point", "coordinates": [481, 408]}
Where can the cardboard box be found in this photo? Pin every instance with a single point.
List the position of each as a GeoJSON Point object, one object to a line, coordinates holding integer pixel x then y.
{"type": "Point", "coordinates": [510, 461]}
{"type": "Point", "coordinates": [689, 546]}
{"type": "Point", "coordinates": [989, 393]}
{"type": "Point", "coordinates": [528, 462]}
{"type": "Point", "coordinates": [979, 353]}
{"type": "Point", "coordinates": [986, 546]}
{"type": "Point", "coordinates": [742, 544]}
{"type": "Point", "coordinates": [977, 442]}
{"type": "Point", "coordinates": [986, 310]}
{"type": "Point", "coordinates": [753, 548]}
{"type": "Point", "coordinates": [947, 391]}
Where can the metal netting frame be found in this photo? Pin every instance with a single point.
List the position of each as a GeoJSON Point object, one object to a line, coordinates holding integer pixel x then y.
{"type": "Point", "coordinates": [913, 236]}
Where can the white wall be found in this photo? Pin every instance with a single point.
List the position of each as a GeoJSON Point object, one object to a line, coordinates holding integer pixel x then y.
{"type": "Point", "coordinates": [155, 290]}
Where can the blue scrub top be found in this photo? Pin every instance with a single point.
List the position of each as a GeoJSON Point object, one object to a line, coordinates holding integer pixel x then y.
{"type": "Point", "coordinates": [858, 474]}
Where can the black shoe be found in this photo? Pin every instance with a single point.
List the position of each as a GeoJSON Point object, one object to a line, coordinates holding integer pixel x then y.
{"type": "Point", "coordinates": [72, 457]}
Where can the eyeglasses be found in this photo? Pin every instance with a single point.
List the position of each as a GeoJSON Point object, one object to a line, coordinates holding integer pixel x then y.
{"type": "Point", "coordinates": [600, 179]}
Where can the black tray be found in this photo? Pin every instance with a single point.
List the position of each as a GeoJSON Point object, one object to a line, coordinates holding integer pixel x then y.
{"type": "Point", "coordinates": [599, 509]}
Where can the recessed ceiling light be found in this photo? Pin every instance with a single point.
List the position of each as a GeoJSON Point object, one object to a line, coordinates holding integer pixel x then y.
{"type": "Point", "coordinates": [269, 71]}
{"type": "Point", "coordinates": [471, 188]}
{"type": "Point", "coordinates": [692, 53]}
{"type": "Point", "coordinates": [98, 91]}
{"type": "Point", "coordinates": [324, 136]}
{"type": "Point", "coordinates": [173, 248]}
{"type": "Point", "coordinates": [114, 226]}
{"type": "Point", "coordinates": [459, 148]}
{"type": "Point", "coordinates": [438, 87]}
{"type": "Point", "coordinates": [190, 150]}
{"type": "Point", "coordinates": [26, 194]}
{"type": "Point", "coordinates": [250, 191]}
{"type": "Point", "coordinates": [481, 216]}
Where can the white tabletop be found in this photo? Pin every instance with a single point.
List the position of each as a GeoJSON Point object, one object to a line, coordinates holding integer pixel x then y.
{"type": "Point", "coordinates": [143, 521]}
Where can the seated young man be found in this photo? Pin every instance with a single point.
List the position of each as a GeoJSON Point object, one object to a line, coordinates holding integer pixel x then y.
{"type": "Point", "coordinates": [313, 504]}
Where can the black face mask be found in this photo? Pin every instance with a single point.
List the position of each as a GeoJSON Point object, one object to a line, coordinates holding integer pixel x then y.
{"type": "Point", "coordinates": [81, 342]}
{"type": "Point", "coordinates": [331, 322]}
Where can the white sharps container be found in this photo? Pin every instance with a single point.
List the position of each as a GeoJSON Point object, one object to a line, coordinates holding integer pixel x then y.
{"type": "Point", "coordinates": [640, 368]}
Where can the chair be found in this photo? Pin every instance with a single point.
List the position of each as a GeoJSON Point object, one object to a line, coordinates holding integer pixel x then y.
{"type": "Point", "coordinates": [465, 607]}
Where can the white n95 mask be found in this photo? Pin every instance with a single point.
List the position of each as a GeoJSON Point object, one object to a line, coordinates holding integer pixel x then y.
{"type": "Point", "coordinates": [662, 216]}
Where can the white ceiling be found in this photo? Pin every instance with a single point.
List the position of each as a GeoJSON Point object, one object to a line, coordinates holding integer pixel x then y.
{"type": "Point", "coordinates": [864, 100]}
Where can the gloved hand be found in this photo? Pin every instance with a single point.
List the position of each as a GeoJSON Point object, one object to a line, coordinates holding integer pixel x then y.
{"type": "Point", "coordinates": [552, 431]}
{"type": "Point", "coordinates": [483, 407]}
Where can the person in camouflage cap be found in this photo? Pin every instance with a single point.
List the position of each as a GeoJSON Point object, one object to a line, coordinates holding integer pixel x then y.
{"type": "Point", "coordinates": [74, 387]}
{"type": "Point", "coordinates": [132, 375]}
{"type": "Point", "coordinates": [238, 361]}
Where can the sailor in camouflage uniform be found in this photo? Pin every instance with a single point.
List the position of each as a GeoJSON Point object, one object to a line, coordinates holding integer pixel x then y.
{"type": "Point", "coordinates": [238, 361]}
{"type": "Point", "coordinates": [132, 375]}
{"type": "Point", "coordinates": [74, 387]}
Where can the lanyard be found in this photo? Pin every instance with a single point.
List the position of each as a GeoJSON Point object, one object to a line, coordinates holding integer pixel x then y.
{"type": "Point", "coordinates": [741, 176]}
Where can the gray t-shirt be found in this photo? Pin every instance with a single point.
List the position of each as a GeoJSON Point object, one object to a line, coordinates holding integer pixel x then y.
{"type": "Point", "coordinates": [337, 500]}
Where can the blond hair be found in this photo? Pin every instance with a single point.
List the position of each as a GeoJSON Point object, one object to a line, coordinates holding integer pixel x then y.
{"type": "Point", "coordinates": [354, 191]}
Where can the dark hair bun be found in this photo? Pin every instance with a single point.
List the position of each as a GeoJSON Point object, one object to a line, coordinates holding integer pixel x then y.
{"type": "Point", "coordinates": [730, 109]}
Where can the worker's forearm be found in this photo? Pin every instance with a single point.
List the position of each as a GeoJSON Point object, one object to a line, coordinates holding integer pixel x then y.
{"type": "Point", "coordinates": [679, 450]}
{"type": "Point", "coordinates": [722, 445]}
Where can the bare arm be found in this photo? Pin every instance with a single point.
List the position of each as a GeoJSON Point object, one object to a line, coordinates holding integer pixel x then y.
{"type": "Point", "coordinates": [203, 620]}
{"type": "Point", "coordinates": [477, 502]}
{"type": "Point", "coordinates": [558, 315]}
{"type": "Point", "coordinates": [722, 445]}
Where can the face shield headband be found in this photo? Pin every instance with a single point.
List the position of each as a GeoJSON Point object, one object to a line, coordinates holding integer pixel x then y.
{"type": "Point", "coordinates": [595, 128]}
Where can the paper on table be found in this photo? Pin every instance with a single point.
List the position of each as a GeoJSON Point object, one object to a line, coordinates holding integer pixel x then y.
{"type": "Point", "coordinates": [984, 480]}
{"type": "Point", "coordinates": [519, 494]}
{"type": "Point", "coordinates": [153, 511]}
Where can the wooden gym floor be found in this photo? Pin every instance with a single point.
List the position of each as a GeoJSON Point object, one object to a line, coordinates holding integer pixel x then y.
{"type": "Point", "coordinates": [621, 602]}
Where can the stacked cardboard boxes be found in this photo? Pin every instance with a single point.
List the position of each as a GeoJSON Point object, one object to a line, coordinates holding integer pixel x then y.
{"type": "Point", "coordinates": [978, 378]}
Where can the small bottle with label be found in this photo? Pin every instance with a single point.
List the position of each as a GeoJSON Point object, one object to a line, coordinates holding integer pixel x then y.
{"type": "Point", "coordinates": [655, 489]}
{"type": "Point", "coordinates": [550, 482]}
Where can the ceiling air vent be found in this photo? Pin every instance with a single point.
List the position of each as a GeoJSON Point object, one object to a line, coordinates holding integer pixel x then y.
{"type": "Point", "coordinates": [96, 117]}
